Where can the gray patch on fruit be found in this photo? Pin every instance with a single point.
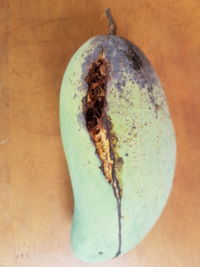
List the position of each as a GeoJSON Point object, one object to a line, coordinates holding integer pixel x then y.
{"type": "Point", "coordinates": [127, 61]}
{"type": "Point", "coordinates": [81, 120]}
{"type": "Point", "coordinates": [89, 57]}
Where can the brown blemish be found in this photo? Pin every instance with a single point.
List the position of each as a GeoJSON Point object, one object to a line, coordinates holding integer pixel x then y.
{"type": "Point", "coordinates": [158, 107]}
{"type": "Point", "coordinates": [98, 122]}
{"type": "Point", "coordinates": [100, 129]}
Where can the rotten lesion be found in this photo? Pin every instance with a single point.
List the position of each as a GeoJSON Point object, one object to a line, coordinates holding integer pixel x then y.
{"type": "Point", "coordinates": [98, 122]}
{"type": "Point", "coordinates": [95, 112]}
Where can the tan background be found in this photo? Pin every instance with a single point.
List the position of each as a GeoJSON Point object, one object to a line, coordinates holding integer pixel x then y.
{"type": "Point", "coordinates": [37, 39]}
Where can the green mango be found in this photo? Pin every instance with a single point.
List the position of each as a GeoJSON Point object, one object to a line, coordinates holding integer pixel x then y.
{"type": "Point", "coordinates": [119, 143]}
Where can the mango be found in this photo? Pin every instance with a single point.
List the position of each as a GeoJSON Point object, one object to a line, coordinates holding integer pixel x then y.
{"type": "Point", "coordinates": [119, 143]}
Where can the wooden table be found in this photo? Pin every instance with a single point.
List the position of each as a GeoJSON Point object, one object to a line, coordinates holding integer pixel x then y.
{"type": "Point", "coordinates": [36, 204]}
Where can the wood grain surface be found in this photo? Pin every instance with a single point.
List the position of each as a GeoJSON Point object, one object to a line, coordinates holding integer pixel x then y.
{"type": "Point", "coordinates": [37, 39]}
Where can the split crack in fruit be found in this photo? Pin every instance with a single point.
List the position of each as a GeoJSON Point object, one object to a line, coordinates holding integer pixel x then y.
{"type": "Point", "coordinates": [100, 128]}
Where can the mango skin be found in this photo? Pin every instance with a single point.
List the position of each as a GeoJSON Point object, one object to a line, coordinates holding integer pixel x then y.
{"type": "Point", "coordinates": [138, 109]}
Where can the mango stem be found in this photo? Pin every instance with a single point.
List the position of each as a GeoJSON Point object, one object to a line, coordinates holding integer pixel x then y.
{"type": "Point", "coordinates": [111, 23]}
